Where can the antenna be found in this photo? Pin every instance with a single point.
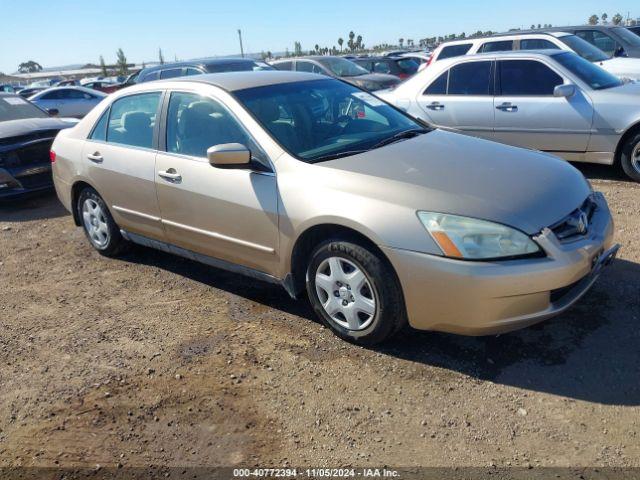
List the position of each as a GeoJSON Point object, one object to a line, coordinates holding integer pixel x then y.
{"type": "Point", "coordinates": [240, 38]}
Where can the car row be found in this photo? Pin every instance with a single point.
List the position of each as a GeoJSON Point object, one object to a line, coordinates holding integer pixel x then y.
{"type": "Point", "coordinates": [314, 184]}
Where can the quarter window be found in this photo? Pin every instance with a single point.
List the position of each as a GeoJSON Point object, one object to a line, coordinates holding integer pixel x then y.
{"type": "Point", "coordinates": [100, 129]}
{"type": "Point", "coordinates": [536, 44]}
{"type": "Point", "coordinates": [471, 78]}
{"type": "Point", "coordinates": [381, 67]}
{"type": "Point", "coordinates": [307, 67]}
{"type": "Point", "coordinates": [527, 77]}
{"type": "Point", "coordinates": [284, 66]}
{"type": "Point", "coordinates": [439, 87]}
{"type": "Point", "coordinates": [171, 73]}
{"type": "Point", "coordinates": [454, 51]}
{"type": "Point", "coordinates": [195, 123]}
{"type": "Point", "coordinates": [192, 71]}
{"type": "Point", "coordinates": [132, 120]}
{"type": "Point", "coordinates": [501, 46]}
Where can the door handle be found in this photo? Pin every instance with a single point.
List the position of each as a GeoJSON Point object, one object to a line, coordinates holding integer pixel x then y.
{"type": "Point", "coordinates": [507, 107]}
{"type": "Point", "coordinates": [435, 106]}
{"type": "Point", "coordinates": [170, 174]}
{"type": "Point", "coordinates": [95, 157]}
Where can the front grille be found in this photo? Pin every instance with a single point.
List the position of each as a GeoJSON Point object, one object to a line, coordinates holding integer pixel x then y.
{"type": "Point", "coordinates": [32, 154]}
{"type": "Point", "coordinates": [576, 224]}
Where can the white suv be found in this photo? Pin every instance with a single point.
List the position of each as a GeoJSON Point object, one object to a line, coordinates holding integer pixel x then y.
{"type": "Point", "coordinates": [623, 68]}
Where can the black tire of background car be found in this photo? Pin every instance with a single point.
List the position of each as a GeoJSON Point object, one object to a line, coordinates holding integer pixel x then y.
{"type": "Point", "coordinates": [390, 316]}
{"type": "Point", "coordinates": [625, 156]}
{"type": "Point", "coordinates": [117, 244]}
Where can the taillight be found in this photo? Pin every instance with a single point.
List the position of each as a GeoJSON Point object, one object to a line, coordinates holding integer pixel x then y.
{"type": "Point", "coordinates": [430, 60]}
{"type": "Point", "coordinates": [403, 75]}
{"type": "Point", "coordinates": [52, 156]}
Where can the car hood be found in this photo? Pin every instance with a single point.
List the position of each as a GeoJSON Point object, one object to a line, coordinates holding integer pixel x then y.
{"type": "Point", "coordinates": [622, 67]}
{"type": "Point", "coordinates": [380, 78]}
{"type": "Point", "coordinates": [16, 128]}
{"type": "Point", "coordinates": [452, 173]}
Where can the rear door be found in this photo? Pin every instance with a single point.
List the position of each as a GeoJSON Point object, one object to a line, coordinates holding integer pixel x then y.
{"type": "Point", "coordinates": [462, 98]}
{"type": "Point", "coordinates": [121, 154]}
{"type": "Point", "coordinates": [527, 114]}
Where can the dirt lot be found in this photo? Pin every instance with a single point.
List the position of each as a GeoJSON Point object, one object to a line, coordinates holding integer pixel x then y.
{"type": "Point", "coordinates": [152, 359]}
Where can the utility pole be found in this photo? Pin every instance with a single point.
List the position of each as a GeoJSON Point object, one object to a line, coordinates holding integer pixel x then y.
{"type": "Point", "coordinates": [240, 37]}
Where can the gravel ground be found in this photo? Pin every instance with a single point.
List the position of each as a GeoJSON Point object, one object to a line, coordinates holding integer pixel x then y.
{"type": "Point", "coordinates": [156, 360]}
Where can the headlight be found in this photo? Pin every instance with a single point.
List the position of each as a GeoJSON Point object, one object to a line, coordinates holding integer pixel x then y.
{"type": "Point", "coordinates": [469, 238]}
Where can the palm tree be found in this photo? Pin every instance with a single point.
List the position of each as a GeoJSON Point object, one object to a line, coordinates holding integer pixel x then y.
{"type": "Point", "coordinates": [317, 48]}
{"type": "Point", "coordinates": [617, 19]}
{"type": "Point", "coordinates": [103, 66]}
{"type": "Point", "coordinates": [593, 20]}
{"type": "Point", "coordinates": [350, 42]}
{"type": "Point", "coordinates": [401, 42]}
{"type": "Point", "coordinates": [340, 42]}
{"type": "Point", "coordinates": [604, 17]}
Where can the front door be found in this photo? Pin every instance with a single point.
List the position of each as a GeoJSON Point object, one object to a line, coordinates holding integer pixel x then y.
{"type": "Point", "coordinates": [120, 155]}
{"type": "Point", "coordinates": [528, 115]}
{"type": "Point", "coordinates": [461, 98]}
{"type": "Point", "coordinates": [228, 214]}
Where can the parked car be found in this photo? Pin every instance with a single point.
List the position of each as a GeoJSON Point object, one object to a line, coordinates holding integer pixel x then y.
{"type": "Point", "coordinates": [613, 40]}
{"type": "Point", "coordinates": [102, 86]}
{"type": "Point", "coordinates": [341, 68]}
{"type": "Point", "coordinates": [132, 79]}
{"type": "Point", "coordinates": [67, 83]}
{"type": "Point", "coordinates": [312, 183]}
{"type": "Point", "coordinates": [548, 100]}
{"type": "Point", "coordinates": [213, 65]}
{"type": "Point", "coordinates": [624, 68]}
{"type": "Point", "coordinates": [398, 66]}
{"type": "Point", "coordinates": [26, 134]}
{"type": "Point", "coordinates": [421, 58]}
{"type": "Point", "coordinates": [68, 101]}
{"type": "Point", "coordinates": [7, 88]}
{"type": "Point", "coordinates": [30, 91]}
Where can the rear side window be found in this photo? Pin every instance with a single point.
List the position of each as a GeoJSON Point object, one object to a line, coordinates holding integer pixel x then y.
{"type": "Point", "coordinates": [100, 129]}
{"type": "Point", "coordinates": [408, 65]}
{"type": "Point", "coordinates": [604, 42]}
{"type": "Point", "coordinates": [192, 71]}
{"type": "Point", "coordinates": [171, 73]}
{"type": "Point", "coordinates": [439, 87]}
{"type": "Point", "coordinates": [454, 51]}
{"type": "Point", "coordinates": [132, 120]}
{"type": "Point", "coordinates": [381, 67]}
{"type": "Point", "coordinates": [536, 44]}
{"type": "Point", "coordinates": [307, 67]}
{"type": "Point", "coordinates": [501, 46]}
{"type": "Point", "coordinates": [471, 78]}
{"type": "Point", "coordinates": [527, 77]}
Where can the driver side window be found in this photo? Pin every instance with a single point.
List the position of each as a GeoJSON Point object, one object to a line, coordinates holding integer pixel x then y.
{"type": "Point", "coordinates": [195, 123]}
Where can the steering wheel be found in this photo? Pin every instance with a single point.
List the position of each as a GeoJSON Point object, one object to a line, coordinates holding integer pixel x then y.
{"type": "Point", "coordinates": [337, 128]}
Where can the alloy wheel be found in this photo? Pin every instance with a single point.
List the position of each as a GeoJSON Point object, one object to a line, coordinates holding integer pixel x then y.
{"type": "Point", "coordinates": [95, 223]}
{"type": "Point", "coordinates": [345, 293]}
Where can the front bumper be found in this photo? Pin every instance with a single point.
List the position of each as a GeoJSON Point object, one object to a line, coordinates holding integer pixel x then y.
{"type": "Point", "coordinates": [20, 181]}
{"type": "Point", "coordinates": [482, 298]}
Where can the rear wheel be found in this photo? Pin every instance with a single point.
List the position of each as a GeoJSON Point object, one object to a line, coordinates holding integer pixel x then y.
{"type": "Point", "coordinates": [355, 292]}
{"type": "Point", "coordinates": [98, 224]}
{"type": "Point", "coordinates": [630, 157]}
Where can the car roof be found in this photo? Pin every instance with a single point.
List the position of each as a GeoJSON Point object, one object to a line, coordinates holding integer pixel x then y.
{"type": "Point", "coordinates": [514, 54]}
{"type": "Point", "coordinates": [198, 63]}
{"type": "Point", "coordinates": [555, 33]}
{"type": "Point", "coordinates": [233, 81]}
{"type": "Point", "coordinates": [75, 87]}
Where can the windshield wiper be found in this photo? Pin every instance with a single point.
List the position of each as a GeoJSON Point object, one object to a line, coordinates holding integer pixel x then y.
{"type": "Point", "coordinates": [333, 156]}
{"type": "Point", "coordinates": [414, 132]}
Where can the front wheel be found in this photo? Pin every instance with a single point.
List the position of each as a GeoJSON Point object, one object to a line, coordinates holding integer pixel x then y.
{"type": "Point", "coordinates": [355, 292]}
{"type": "Point", "coordinates": [98, 224]}
{"type": "Point", "coordinates": [630, 157]}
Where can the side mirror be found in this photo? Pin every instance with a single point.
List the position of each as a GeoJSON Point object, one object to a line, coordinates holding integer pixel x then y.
{"type": "Point", "coordinates": [229, 155]}
{"type": "Point", "coordinates": [564, 90]}
{"type": "Point", "coordinates": [53, 111]}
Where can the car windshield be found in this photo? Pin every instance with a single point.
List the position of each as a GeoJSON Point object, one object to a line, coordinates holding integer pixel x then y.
{"type": "Point", "coordinates": [17, 108]}
{"type": "Point", "coordinates": [325, 119]}
{"type": "Point", "coordinates": [342, 67]}
{"type": "Point", "coordinates": [584, 48]}
{"type": "Point", "coordinates": [629, 37]}
{"type": "Point", "coordinates": [591, 74]}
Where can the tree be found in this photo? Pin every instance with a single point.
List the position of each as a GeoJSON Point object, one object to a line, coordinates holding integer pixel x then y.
{"type": "Point", "coordinates": [359, 42]}
{"type": "Point", "coordinates": [160, 56]}
{"type": "Point", "coordinates": [533, 27]}
{"type": "Point", "coordinates": [350, 43]}
{"type": "Point", "coordinates": [340, 42]}
{"type": "Point", "coordinates": [121, 63]}
{"type": "Point", "coordinates": [29, 67]}
{"type": "Point", "coordinates": [604, 17]}
{"type": "Point", "coordinates": [103, 66]}
{"type": "Point", "coordinates": [401, 42]}
{"type": "Point", "coordinates": [317, 48]}
{"type": "Point", "coordinates": [593, 20]}
{"type": "Point", "coordinates": [617, 19]}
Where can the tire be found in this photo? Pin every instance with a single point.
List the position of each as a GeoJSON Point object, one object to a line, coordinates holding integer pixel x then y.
{"type": "Point", "coordinates": [355, 292]}
{"type": "Point", "coordinates": [98, 224]}
{"type": "Point", "coordinates": [630, 157]}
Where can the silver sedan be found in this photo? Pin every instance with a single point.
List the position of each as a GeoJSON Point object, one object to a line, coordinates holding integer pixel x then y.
{"type": "Point", "coordinates": [68, 101]}
{"type": "Point", "coordinates": [551, 100]}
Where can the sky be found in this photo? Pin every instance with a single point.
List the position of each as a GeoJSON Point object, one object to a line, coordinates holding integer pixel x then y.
{"type": "Point", "coordinates": [64, 32]}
